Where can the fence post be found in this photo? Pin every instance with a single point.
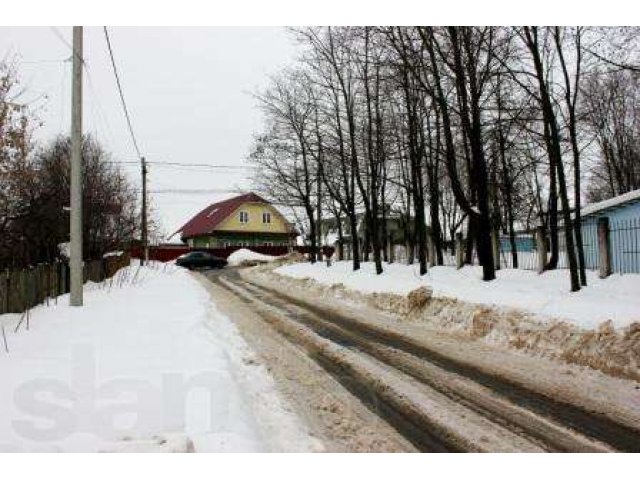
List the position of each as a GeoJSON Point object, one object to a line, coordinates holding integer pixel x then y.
{"type": "Point", "coordinates": [459, 250]}
{"type": "Point", "coordinates": [495, 246]}
{"type": "Point", "coordinates": [541, 247]}
{"type": "Point", "coordinates": [604, 247]}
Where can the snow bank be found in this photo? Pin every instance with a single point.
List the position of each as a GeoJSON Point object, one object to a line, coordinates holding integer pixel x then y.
{"type": "Point", "coordinates": [616, 298]}
{"type": "Point", "coordinates": [115, 253]}
{"type": "Point", "coordinates": [599, 326]}
{"type": "Point", "coordinates": [145, 365]}
{"type": "Point", "coordinates": [248, 257]}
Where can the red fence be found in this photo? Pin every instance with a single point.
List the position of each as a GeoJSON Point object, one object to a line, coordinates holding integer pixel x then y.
{"type": "Point", "coordinates": [166, 253]}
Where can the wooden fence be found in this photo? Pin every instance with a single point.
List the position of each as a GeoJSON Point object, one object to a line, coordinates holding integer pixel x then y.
{"type": "Point", "coordinates": [23, 289]}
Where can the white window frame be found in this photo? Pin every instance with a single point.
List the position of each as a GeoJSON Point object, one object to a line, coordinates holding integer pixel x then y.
{"type": "Point", "coordinates": [266, 217]}
{"type": "Point", "coordinates": [244, 216]}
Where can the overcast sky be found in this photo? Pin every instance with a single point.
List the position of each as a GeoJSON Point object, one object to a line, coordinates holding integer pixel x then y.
{"type": "Point", "coordinates": [188, 91]}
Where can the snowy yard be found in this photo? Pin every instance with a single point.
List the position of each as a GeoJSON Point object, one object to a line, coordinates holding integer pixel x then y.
{"type": "Point", "coordinates": [616, 298]}
{"type": "Point", "coordinates": [148, 364]}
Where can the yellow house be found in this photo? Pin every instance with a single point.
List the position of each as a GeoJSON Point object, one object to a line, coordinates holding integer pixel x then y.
{"type": "Point", "coordinates": [246, 220]}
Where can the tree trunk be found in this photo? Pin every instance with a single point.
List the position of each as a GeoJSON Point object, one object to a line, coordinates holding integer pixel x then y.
{"type": "Point", "coordinates": [384, 231]}
{"type": "Point", "coordinates": [312, 232]}
{"type": "Point", "coordinates": [571, 101]}
{"type": "Point", "coordinates": [555, 153]}
{"type": "Point", "coordinates": [552, 216]}
{"type": "Point", "coordinates": [355, 253]}
{"type": "Point", "coordinates": [340, 238]}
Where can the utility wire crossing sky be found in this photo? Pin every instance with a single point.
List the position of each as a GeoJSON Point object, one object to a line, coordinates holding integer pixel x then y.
{"type": "Point", "coordinates": [187, 92]}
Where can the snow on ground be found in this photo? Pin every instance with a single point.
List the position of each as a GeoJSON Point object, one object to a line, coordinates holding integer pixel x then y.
{"type": "Point", "coordinates": [245, 255]}
{"type": "Point", "coordinates": [148, 364]}
{"type": "Point", "coordinates": [616, 298]}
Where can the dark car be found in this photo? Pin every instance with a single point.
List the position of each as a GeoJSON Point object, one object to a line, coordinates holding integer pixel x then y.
{"type": "Point", "coordinates": [193, 260]}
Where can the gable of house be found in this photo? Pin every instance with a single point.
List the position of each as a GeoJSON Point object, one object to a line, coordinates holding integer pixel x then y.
{"type": "Point", "coordinates": [256, 217]}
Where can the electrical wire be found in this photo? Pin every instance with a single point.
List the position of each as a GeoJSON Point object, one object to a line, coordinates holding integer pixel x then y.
{"type": "Point", "coordinates": [124, 104]}
{"type": "Point", "coordinates": [185, 165]}
{"type": "Point", "coordinates": [58, 34]}
{"type": "Point", "coordinates": [98, 112]}
{"type": "Point", "coordinates": [175, 165]}
{"type": "Point", "coordinates": [200, 165]}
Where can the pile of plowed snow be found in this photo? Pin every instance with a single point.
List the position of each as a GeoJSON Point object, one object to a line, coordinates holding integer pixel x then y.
{"type": "Point", "coordinates": [546, 296]}
{"type": "Point", "coordinates": [245, 257]}
{"type": "Point", "coordinates": [599, 326]}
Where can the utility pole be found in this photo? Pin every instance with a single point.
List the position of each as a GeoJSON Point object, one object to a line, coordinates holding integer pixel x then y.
{"type": "Point", "coordinates": [145, 241]}
{"type": "Point", "coordinates": [75, 261]}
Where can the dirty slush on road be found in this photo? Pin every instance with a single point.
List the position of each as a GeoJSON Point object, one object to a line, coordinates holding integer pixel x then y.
{"type": "Point", "coordinates": [362, 387]}
{"type": "Point", "coordinates": [336, 417]}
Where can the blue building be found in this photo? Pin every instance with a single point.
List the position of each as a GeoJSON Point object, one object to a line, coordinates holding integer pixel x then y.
{"type": "Point", "coordinates": [623, 213]}
{"type": "Point", "coordinates": [524, 243]}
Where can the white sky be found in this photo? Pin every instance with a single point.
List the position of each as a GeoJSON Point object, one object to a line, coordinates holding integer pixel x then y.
{"type": "Point", "coordinates": [188, 91]}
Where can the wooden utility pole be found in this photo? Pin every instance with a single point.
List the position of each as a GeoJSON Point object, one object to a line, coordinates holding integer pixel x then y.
{"type": "Point", "coordinates": [145, 239]}
{"type": "Point", "coordinates": [75, 262]}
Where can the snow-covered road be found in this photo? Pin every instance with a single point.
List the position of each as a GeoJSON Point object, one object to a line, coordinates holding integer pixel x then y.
{"type": "Point", "coordinates": [443, 391]}
{"type": "Point", "coordinates": [148, 364]}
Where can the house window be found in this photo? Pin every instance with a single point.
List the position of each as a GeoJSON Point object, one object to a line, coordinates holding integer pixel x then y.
{"type": "Point", "coordinates": [266, 217]}
{"type": "Point", "coordinates": [244, 217]}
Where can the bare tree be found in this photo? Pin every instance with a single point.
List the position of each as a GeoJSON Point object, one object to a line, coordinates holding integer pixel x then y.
{"type": "Point", "coordinates": [612, 112]}
{"type": "Point", "coordinates": [283, 154]}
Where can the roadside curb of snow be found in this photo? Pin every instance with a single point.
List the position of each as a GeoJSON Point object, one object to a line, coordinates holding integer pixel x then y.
{"type": "Point", "coordinates": [611, 351]}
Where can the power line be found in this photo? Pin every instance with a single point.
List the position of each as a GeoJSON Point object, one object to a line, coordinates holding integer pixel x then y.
{"type": "Point", "coordinates": [193, 191]}
{"type": "Point", "coordinates": [58, 34]}
{"type": "Point", "coordinates": [143, 164]}
{"type": "Point", "coordinates": [99, 114]}
{"type": "Point", "coordinates": [199, 165]}
{"type": "Point", "coordinates": [187, 165]}
{"type": "Point", "coordinates": [98, 111]}
{"type": "Point", "coordinates": [124, 104]}
{"type": "Point", "coordinates": [60, 60]}
{"type": "Point", "coordinates": [119, 162]}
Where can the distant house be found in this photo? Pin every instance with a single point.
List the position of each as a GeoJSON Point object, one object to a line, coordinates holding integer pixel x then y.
{"type": "Point", "coordinates": [246, 220]}
{"type": "Point", "coordinates": [397, 229]}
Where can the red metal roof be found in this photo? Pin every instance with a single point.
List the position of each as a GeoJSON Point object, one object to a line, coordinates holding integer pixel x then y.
{"type": "Point", "coordinates": [209, 218]}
